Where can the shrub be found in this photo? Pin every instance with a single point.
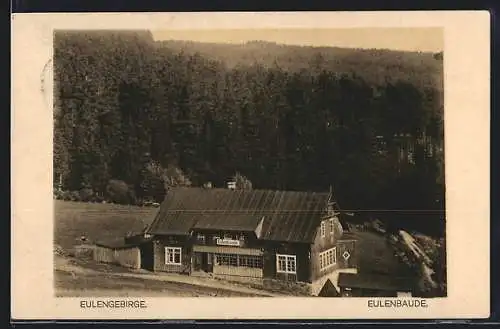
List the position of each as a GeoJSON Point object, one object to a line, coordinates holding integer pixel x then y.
{"type": "Point", "coordinates": [86, 195]}
{"type": "Point", "coordinates": [74, 196]}
{"type": "Point", "coordinates": [378, 226]}
{"type": "Point", "coordinates": [118, 191]}
{"type": "Point", "coordinates": [98, 198]}
{"type": "Point", "coordinates": [174, 176]}
{"type": "Point", "coordinates": [242, 183]}
{"type": "Point", "coordinates": [156, 180]}
{"type": "Point", "coordinates": [58, 194]}
{"type": "Point", "coordinates": [152, 187]}
{"type": "Point", "coordinates": [66, 195]}
{"type": "Point", "coordinates": [84, 251]}
{"type": "Point", "coordinates": [132, 199]}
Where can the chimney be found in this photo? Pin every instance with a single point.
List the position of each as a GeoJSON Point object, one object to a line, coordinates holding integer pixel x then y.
{"type": "Point", "coordinates": [231, 185]}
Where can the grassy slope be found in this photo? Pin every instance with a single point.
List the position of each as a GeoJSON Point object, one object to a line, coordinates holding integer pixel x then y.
{"type": "Point", "coordinates": [376, 255]}
{"type": "Point", "coordinates": [79, 277]}
{"type": "Point", "coordinates": [96, 221]}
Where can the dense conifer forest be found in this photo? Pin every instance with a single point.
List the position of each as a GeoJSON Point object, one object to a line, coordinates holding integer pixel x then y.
{"type": "Point", "coordinates": [137, 115]}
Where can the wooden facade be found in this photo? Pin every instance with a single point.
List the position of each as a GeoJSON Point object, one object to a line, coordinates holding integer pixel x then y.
{"type": "Point", "coordinates": [327, 236]}
{"type": "Point", "coordinates": [240, 255]}
{"type": "Point", "coordinates": [134, 252]}
{"type": "Point", "coordinates": [127, 257]}
{"type": "Point", "coordinates": [172, 254]}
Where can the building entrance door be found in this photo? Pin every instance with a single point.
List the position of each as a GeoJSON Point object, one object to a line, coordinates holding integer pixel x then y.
{"type": "Point", "coordinates": [197, 261]}
{"type": "Point", "coordinates": [207, 262]}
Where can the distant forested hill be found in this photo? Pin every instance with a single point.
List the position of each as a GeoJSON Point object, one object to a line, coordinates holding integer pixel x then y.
{"type": "Point", "coordinates": [146, 115]}
{"type": "Point", "coordinates": [376, 66]}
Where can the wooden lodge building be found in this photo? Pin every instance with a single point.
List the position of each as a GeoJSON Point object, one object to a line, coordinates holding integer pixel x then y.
{"type": "Point", "coordinates": [282, 239]}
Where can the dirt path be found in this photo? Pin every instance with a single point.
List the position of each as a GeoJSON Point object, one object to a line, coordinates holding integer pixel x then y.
{"type": "Point", "coordinates": [73, 278]}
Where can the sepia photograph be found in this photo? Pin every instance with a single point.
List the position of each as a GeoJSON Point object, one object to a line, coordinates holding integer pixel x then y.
{"type": "Point", "coordinates": [180, 166]}
{"type": "Point", "coordinates": [249, 163]}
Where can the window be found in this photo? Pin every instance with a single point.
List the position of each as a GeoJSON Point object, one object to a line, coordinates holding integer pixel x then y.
{"type": "Point", "coordinates": [173, 255]}
{"type": "Point", "coordinates": [286, 264]}
{"type": "Point", "coordinates": [332, 226]}
{"type": "Point", "coordinates": [200, 238]}
{"type": "Point", "coordinates": [250, 261]}
{"type": "Point", "coordinates": [227, 260]}
{"type": "Point", "coordinates": [239, 260]}
{"type": "Point", "coordinates": [327, 258]}
{"type": "Point", "coordinates": [323, 229]}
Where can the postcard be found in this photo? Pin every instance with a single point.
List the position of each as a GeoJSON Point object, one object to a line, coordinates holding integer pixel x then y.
{"type": "Point", "coordinates": [300, 165]}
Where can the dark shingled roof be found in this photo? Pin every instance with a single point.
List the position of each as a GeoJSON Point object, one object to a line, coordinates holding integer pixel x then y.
{"type": "Point", "coordinates": [375, 282]}
{"type": "Point", "coordinates": [287, 215]}
{"type": "Point", "coordinates": [118, 243]}
{"type": "Point", "coordinates": [123, 242]}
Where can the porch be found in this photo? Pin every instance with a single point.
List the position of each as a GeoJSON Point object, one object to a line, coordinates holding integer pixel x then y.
{"type": "Point", "coordinates": [227, 261]}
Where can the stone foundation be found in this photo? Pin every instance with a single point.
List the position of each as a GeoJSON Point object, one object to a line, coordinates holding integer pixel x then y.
{"type": "Point", "coordinates": [288, 287]}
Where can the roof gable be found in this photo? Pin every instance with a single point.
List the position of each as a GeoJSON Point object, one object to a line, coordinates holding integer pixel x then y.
{"type": "Point", "coordinates": [328, 290]}
{"type": "Point", "coordinates": [278, 215]}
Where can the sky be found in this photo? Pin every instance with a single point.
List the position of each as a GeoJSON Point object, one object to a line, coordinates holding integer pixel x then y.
{"type": "Point", "coordinates": [406, 39]}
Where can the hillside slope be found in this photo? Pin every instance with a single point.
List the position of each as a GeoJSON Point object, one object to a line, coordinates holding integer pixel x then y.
{"type": "Point", "coordinates": [376, 66]}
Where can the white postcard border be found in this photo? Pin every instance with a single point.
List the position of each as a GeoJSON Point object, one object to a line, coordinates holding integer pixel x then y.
{"type": "Point", "coordinates": [467, 113]}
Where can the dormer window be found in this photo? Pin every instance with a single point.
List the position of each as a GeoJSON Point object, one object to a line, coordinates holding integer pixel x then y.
{"type": "Point", "coordinates": [332, 226]}
{"type": "Point", "coordinates": [200, 238]}
{"type": "Point", "coordinates": [323, 229]}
